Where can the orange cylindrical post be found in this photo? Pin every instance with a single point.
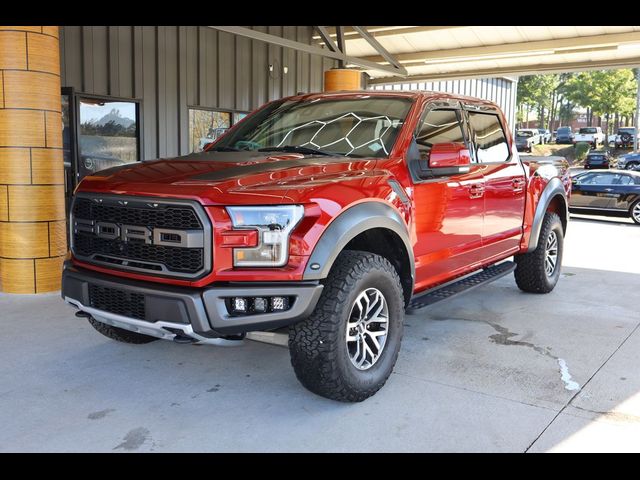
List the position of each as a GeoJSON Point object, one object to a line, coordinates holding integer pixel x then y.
{"type": "Point", "coordinates": [33, 241]}
{"type": "Point", "coordinates": [342, 79]}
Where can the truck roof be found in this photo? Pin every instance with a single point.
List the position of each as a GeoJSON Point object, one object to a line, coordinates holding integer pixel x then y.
{"type": "Point", "coordinates": [425, 94]}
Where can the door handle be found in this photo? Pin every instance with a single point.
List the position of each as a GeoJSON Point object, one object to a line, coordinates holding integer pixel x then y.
{"type": "Point", "coordinates": [518, 184]}
{"type": "Point", "coordinates": [608, 189]}
{"type": "Point", "coordinates": [476, 190]}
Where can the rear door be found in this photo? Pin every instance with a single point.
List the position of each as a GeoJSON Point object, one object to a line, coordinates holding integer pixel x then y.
{"type": "Point", "coordinates": [504, 184]}
{"type": "Point", "coordinates": [593, 190]}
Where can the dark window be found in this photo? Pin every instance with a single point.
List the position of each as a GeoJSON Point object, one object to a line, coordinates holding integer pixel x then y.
{"type": "Point", "coordinates": [488, 137]}
{"type": "Point", "coordinates": [597, 179]}
{"type": "Point", "coordinates": [587, 130]}
{"type": "Point", "coordinates": [625, 180]}
{"type": "Point", "coordinates": [439, 126]}
{"type": "Point", "coordinates": [109, 131]}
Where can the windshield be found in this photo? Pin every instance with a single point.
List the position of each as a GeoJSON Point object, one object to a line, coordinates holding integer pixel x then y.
{"type": "Point", "coordinates": [356, 127]}
{"type": "Point", "coordinates": [587, 130]}
{"type": "Point", "coordinates": [564, 130]}
{"type": "Point", "coordinates": [524, 133]}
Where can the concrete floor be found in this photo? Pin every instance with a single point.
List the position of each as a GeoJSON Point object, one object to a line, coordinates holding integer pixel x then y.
{"type": "Point", "coordinates": [494, 370]}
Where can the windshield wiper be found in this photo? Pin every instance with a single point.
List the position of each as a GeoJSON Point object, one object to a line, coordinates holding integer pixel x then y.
{"type": "Point", "coordinates": [223, 149]}
{"type": "Point", "coordinates": [299, 149]}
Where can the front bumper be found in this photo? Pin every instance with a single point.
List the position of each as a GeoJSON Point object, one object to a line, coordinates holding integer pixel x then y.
{"type": "Point", "coordinates": [199, 313]}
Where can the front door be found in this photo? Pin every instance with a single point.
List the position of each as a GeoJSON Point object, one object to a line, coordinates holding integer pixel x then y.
{"type": "Point", "coordinates": [448, 211]}
{"type": "Point", "coordinates": [504, 186]}
{"type": "Point", "coordinates": [593, 190]}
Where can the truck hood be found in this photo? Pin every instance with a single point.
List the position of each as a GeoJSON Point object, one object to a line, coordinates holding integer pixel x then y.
{"type": "Point", "coordinates": [216, 178]}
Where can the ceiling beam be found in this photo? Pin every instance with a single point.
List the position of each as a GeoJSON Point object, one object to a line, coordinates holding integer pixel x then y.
{"type": "Point", "coordinates": [560, 45]}
{"type": "Point", "coordinates": [303, 47]}
{"type": "Point", "coordinates": [514, 70]}
{"type": "Point", "coordinates": [378, 31]}
{"type": "Point", "coordinates": [380, 49]}
{"type": "Point", "coordinates": [326, 38]}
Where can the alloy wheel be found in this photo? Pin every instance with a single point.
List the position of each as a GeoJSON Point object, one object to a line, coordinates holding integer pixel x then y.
{"type": "Point", "coordinates": [636, 212]}
{"type": "Point", "coordinates": [367, 328]}
{"type": "Point", "coordinates": [551, 254]}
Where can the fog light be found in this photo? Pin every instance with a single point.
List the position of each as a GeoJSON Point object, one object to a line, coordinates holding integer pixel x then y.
{"type": "Point", "coordinates": [239, 304]}
{"type": "Point", "coordinates": [260, 304]}
{"type": "Point", "coordinates": [279, 303]}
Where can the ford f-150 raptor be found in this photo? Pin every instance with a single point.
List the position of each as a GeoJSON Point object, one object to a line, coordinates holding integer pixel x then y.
{"type": "Point", "coordinates": [328, 214]}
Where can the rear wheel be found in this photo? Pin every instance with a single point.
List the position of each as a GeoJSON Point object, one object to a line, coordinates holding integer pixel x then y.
{"type": "Point", "coordinates": [635, 212]}
{"type": "Point", "coordinates": [347, 348]}
{"type": "Point", "coordinates": [538, 271]}
{"type": "Point", "coordinates": [120, 334]}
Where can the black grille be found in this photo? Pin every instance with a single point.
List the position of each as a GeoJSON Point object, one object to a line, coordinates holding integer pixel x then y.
{"type": "Point", "coordinates": [135, 254]}
{"type": "Point", "coordinates": [176, 259]}
{"type": "Point", "coordinates": [117, 301]}
{"type": "Point", "coordinates": [183, 218]}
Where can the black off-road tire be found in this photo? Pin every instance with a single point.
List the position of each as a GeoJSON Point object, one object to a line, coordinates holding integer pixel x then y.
{"type": "Point", "coordinates": [120, 334]}
{"type": "Point", "coordinates": [530, 271]}
{"type": "Point", "coordinates": [633, 207]}
{"type": "Point", "coordinates": [317, 345]}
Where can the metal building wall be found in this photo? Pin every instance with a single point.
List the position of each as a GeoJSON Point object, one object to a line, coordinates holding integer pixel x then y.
{"type": "Point", "coordinates": [171, 68]}
{"type": "Point", "coordinates": [500, 90]}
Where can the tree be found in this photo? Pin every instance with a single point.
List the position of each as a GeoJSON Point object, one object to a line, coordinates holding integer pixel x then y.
{"type": "Point", "coordinates": [537, 91]}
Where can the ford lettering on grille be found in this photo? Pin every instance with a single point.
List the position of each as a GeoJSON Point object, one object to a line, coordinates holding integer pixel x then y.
{"type": "Point", "coordinates": [150, 236]}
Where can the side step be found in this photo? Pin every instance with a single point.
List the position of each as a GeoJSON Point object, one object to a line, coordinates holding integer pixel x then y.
{"type": "Point", "coordinates": [450, 290]}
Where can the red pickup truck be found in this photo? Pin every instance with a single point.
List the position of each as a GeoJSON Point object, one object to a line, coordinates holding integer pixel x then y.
{"type": "Point", "coordinates": [331, 214]}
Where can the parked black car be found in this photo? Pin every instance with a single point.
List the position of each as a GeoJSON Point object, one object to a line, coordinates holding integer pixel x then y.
{"type": "Point", "coordinates": [597, 160]}
{"type": "Point", "coordinates": [613, 193]}
{"type": "Point", "coordinates": [564, 135]}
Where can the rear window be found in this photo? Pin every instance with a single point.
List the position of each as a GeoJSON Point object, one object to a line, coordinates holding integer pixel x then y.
{"type": "Point", "coordinates": [588, 130]}
{"type": "Point", "coordinates": [595, 157]}
{"type": "Point", "coordinates": [489, 138]}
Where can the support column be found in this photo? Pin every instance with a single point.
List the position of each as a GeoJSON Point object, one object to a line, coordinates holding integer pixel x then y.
{"type": "Point", "coordinates": [32, 207]}
{"type": "Point", "coordinates": [342, 79]}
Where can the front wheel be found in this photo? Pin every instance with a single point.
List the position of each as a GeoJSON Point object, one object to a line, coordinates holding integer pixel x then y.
{"type": "Point", "coordinates": [538, 271]}
{"type": "Point", "coordinates": [347, 348]}
{"type": "Point", "coordinates": [635, 212]}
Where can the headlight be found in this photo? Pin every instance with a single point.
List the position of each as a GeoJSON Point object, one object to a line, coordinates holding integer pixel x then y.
{"type": "Point", "coordinates": [274, 226]}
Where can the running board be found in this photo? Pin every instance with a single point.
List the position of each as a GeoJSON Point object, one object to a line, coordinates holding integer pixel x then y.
{"type": "Point", "coordinates": [428, 298]}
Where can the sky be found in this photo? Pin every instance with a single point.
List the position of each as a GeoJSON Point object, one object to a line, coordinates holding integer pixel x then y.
{"type": "Point", "coordinates": [89, 112]}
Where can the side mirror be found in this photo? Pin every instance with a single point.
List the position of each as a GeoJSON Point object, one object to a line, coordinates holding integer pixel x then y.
{"type": "Point", "coordinates": [449, 159]}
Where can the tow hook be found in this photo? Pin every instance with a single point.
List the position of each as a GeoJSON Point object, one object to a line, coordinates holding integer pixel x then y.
{"type": "Point", "coordinates": [81, 314]}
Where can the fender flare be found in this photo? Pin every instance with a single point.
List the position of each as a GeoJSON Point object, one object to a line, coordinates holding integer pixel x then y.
{"type": "Point", "coordinates": [349, 224]}
{"type": "Point", "coordinates": [553, 189]}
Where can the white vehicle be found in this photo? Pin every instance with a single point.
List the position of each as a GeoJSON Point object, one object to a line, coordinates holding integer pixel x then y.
{"type": "Point", "coordinates": [535, 138]}
{"type": "Point", "coordinates": [591, 135]}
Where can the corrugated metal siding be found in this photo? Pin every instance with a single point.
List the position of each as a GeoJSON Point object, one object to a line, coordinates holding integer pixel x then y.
{"type": "Point", "coordinates": [499, 90]}
{"type": "Point", "coordinates": [171, 68]}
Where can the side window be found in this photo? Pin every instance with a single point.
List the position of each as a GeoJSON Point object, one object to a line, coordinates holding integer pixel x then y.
{"type": "Point", "coordinates": [601, 179]}
{"type": "Point", "coordinates": [488, 137]}
{"type": "Point", "coordinates": [625, 180]}
{"type": "Point", "coordinates": [439, 126]}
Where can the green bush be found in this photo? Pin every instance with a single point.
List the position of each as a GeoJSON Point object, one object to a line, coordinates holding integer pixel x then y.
{"type": "Point", "coordinates": [582, 150]}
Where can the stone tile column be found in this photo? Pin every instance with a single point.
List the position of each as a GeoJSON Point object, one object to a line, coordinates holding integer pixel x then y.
{"type": "Point", "coordinates": [32, 204]}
